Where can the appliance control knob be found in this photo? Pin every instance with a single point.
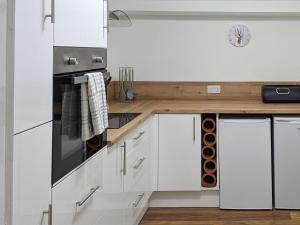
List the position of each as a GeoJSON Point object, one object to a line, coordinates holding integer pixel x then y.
{"type": "Point", "coordinates": [98, 59]}
{"type": "Point", "coordinates": [72, 61]}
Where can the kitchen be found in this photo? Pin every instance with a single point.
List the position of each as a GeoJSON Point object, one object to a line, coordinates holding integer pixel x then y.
{"type": "Point", "coordinates": [193, 136]}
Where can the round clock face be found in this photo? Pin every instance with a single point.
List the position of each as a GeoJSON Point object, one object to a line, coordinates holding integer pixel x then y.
{"type": "Point", "coordinates": [239, 35]}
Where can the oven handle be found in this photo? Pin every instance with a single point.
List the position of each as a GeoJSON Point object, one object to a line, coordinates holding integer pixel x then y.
{"type": "Point", "coordinates": [83, 79]}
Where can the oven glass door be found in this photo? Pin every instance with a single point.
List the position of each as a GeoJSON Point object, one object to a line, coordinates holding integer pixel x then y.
{"type": "Point", "coordinates": [69, 151]}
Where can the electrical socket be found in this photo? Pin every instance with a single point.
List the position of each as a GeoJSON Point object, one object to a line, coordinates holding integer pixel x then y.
{"type": "Point", "coordinates": [213, 89]}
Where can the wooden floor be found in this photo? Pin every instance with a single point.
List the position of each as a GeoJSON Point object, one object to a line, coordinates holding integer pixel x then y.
{"type": "Point", "coordinates": [203, 216]}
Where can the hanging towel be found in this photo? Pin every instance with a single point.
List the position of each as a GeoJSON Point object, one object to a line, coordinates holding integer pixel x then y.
{"type": "Point", "coordinates": [94, 116]}
{"type": "Point", "coordinates": [70, 112]}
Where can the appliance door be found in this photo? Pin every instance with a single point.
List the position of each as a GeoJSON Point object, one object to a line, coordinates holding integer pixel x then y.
{"type": "Point", "coordinates": [68, 149]}
{"type": "Point", "coordinates": [245, 163]}
{"type": "Point", "coordinates": [286, 162]}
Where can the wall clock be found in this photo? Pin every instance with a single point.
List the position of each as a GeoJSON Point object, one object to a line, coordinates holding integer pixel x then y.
{"type": "Point", "coordinates": [239, 35]}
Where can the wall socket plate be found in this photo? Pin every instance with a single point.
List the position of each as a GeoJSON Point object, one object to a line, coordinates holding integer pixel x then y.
{"type": "Point", "coordinates": [213, 89]}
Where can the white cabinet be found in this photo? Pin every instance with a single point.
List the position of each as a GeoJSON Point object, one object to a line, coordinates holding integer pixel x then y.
{"type": "Point", "coordinates": [128, 175]}
{"type": "Point", "coordinates": [245, 163]}
{"type": "Point", "coordinates": [113, 197]}
{"type": "Point", "coordinates": [137, 172]}
{"type": "Point", "coordinates": [32, 176]}
{"type": "Point", "coordinates": [286, 162]}
{"type": "Point", "coordinates": [77, 199]}
{"type": "Point", "coordinates": [33, 56]}
{"type": "Point", "coordinates": [80, 23]}
{"type": "Point", "coordinates": [179, 152]}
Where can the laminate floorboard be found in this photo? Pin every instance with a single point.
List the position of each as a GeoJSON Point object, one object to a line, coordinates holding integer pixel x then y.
{"type": "Point", "coordinates": [210, 216]}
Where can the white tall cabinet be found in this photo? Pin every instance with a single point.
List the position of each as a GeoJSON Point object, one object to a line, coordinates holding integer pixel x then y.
{"type": "Point", "coordinates": [2, 105]}
{"type": "Point", "coordinates": [32, 84]}
{"type": "Point", "coordinates": [33, 56]}
{"type": "Point", "coordinates": [179, 152]}
{"type": "Point", "coordinates": [32, 176]}
{"type": "Point", "coordinates": [81, 23]}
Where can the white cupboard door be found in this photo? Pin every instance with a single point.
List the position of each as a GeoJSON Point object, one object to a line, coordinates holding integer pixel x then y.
{"type": "Point", "coordinates": [33, 64]}
{"type": "Point", "coordinates": [286, 162]}
{"type": "Point", "coordinates": [245, 163]}
{"type": "Point", "coordinates": [76, 199]}
{"type": "Point", "coordinates": [32, 176]}
{"type": "Point", "coordinates": [113, 196]}
{"type": "Point", "coordinates": [179, 152]}
{"type": "Point", "coordinates": [80, 23]}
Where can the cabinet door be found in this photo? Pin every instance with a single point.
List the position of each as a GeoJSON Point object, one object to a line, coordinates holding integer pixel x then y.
{"type": "Point", "coordinates": [77, 198]}
{"type": "Point", "coordinates": [179, 153]}
{"type": "Point", "coordinates": [33, 64]}
{"type": "Point", "coordinates": [80, 23]}
{"type": "Point", "coordinates": [32, 176]}
{"type": "Point", "coordinates": [286, 162]}
{"type": "Point", "coordinates": [113, 196]}
{"type": "Point", "coordinates": [245, 163]}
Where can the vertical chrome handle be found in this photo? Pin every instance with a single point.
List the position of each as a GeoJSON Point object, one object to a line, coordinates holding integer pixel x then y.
{"type": "Point", "coordinates": [194, 129]}
{"type": "Point", "coordinates": [124, 158]}
{"type": "Point", "coordinates": [105, 26]}
{"type": "Point", "coordinates": [49, 213]}
{"type": "Point", "coordinates": [52, 15]}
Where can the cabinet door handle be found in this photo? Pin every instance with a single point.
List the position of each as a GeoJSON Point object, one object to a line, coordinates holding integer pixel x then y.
{"type": "Point", "coordinates": [139, 136]}
{"type": "Point", "coordinates": [124, 158]}
{"type": "Point", "coordinates": [52, 15]}
{"type": "Point", "coordinates": [106, 26]}
{"type": "Point", "coordinates": [49, 213]}
{"type": "Point", "coordinates": [194, 129]}
{"type": "Point", "coordinates": [140, 162]}
{"type": "Point", "coordinates": [139, 199]}
{"type": "Point", "coordinates": [93, 190]}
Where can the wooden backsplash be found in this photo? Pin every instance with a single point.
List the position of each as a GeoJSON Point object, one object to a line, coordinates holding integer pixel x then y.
{"type": "Point", "coordinates": [193, 90]}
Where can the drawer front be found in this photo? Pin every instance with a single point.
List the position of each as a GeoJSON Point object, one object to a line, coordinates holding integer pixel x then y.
{"type": "Point", "coordinates": [137, 181]}
{"type": "Point", "coordinates": [137, 157]}
{"type": "Point", "coordinates": [75, 199]}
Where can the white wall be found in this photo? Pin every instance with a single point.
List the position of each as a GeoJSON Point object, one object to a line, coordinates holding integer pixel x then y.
{"type": "Point", "coordinates": [196, 49]}
{"type": "Point", "coordinates": [2, 103]}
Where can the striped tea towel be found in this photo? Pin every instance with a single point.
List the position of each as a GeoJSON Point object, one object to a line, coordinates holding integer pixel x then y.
{"type": "Point", "coordinates": [70, 118]}
{"type": "Point", "coordinates": [94, 117]}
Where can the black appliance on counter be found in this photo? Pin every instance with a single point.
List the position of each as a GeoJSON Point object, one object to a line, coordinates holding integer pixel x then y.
{"type": "Point", "coordinates": [70, 66]}
{"type": "Point", "coordinates": [281, 93]}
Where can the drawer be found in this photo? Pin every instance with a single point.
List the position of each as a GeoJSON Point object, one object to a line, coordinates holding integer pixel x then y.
{"type": "Point", "coordinates": [75, 199]}
{"type": "Point", "coordinates": [138, 138]}
{"type": "Point", "coordinates": [136, 166]}
{"type": "Point", "coordinates": [137, 156]}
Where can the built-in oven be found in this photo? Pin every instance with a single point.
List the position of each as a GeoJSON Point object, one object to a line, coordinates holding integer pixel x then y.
{"type": "Point", "coordinates": [70, 66]}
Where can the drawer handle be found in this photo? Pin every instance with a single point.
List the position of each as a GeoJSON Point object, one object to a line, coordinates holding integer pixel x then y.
{"type": "Point", "coordinates": [139, 136]}
{"type": "Point", "coordinates": [93, 190]}
{"type": "Point", "coordinates": [140, 162]}
{"type": "Point", "coordinates": [139, 199]}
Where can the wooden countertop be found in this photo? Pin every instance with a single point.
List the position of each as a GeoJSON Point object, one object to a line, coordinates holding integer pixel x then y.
{"type": "Point", "coordinates": [148, 107]}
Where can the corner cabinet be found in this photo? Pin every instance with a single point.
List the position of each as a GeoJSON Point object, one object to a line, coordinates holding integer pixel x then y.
{"type": "Point", "coordinates": [33, 57]}
{"type": "Point", "coordinates": [179, 152]}
{"type": "Point", "coordinates": [81, 23]}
